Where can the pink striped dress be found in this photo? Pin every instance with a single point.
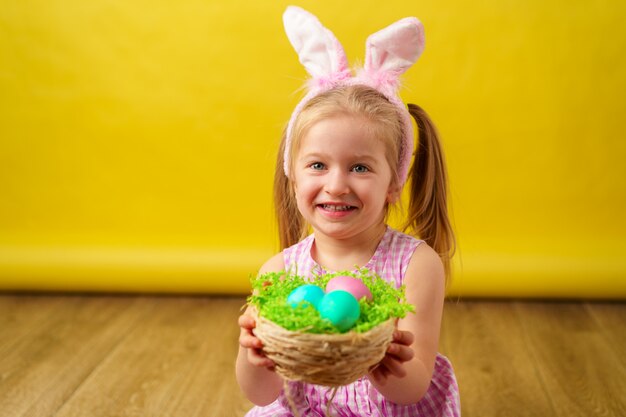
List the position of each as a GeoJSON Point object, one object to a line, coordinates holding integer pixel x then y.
{"type": "Point", "coordinates": [360, 398]}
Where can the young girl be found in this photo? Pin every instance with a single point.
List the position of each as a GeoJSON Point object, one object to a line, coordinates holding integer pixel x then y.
{"type": "Point", "coordinates": [343, 161]}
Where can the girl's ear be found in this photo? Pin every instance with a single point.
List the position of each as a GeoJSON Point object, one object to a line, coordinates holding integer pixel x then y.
{"type": "Point", "coordinates": [393, 193]}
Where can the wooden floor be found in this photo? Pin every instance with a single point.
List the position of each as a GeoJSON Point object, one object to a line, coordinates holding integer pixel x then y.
{"type": "Point", "coordinates": [111, 356]}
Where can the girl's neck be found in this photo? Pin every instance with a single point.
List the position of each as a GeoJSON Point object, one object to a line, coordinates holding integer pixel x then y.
{"type": "Point", "coordinates": [346, 254]}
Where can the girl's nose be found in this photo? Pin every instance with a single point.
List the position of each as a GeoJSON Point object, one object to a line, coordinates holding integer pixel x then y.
{"type": "Point", "coordinates": [337, 182]}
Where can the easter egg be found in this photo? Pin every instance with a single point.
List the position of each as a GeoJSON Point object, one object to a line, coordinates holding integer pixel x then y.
{"type": "Point", "coordinates": [305, 293]}
{"type": "Point", "coordinates": [351, 285]}
{"type": "Point", "coordinates": [340, 308]}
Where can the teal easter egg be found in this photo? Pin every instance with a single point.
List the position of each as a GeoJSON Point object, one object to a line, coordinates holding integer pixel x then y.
{"type": "Point", "coordinates": [340, 308]}
{"type": "Point", "coordinates": [306, 293]}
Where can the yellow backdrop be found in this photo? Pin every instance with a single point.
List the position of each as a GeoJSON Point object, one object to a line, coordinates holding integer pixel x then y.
{"type": "Point", "coordinates": [137, 139]}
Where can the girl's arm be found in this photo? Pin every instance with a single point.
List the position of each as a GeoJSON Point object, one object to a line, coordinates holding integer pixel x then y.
{"type": "Point", "coordinates": [254, 371]}
{"type": "Point", "coordinates": [404, 375]}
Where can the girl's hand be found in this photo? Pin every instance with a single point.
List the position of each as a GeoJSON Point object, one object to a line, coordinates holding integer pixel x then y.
{"type": "Point", "coordinates": [398, 352]}
{"type": "Point", "coordinates": [251, 343]}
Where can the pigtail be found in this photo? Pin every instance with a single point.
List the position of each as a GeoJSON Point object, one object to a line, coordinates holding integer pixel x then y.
{"type": "Point", "coordinates": [428, 207]}
{"type": "Point", "coordinates": [291, 224]}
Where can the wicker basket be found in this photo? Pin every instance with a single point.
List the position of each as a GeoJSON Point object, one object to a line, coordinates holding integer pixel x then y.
{"type": "Point", "coordinates": [323, 359]}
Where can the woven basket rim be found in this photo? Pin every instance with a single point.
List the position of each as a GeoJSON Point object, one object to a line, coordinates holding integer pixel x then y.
{"type": "Point", "coordinates": [348, 336]}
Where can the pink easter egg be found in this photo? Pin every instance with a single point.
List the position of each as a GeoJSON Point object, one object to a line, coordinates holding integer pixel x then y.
{"type": "Point", "coordinates": [351, 285]}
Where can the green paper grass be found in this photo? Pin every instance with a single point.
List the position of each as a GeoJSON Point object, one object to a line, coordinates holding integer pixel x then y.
{"type": "Point", "coordinates": [270, 292]}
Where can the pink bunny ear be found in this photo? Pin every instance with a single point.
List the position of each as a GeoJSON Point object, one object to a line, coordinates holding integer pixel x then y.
{"type": "Point", "coordinates": [320, 53]}
{"type": "Point", "coordinates": [393, 50]}
{"type": "Point", "coordinates": [318, 49]}
{"type": "Point", "coordinates": [388, 54]}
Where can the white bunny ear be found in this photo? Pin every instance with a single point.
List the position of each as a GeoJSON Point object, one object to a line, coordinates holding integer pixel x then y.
{"type": "Point", "coordinates": [395, 48]}
{"type": "Point", "coordinates": [318, 49]}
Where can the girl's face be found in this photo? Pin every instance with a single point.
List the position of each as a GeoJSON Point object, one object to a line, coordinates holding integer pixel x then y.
{"type": "Point", "coordinates": [342, 179]}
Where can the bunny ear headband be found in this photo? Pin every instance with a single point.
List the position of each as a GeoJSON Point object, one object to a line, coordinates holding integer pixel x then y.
{"type": "Point", "coordinates": [388, 54]}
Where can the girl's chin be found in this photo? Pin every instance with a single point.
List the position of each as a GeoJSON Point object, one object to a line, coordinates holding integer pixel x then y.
{"type": "Point", "coordinates": [332, 230]}
{"type": "Point", "coordinates": [342, 232]}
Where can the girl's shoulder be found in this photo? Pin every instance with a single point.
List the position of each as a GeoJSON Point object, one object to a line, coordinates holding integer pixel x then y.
{"type": "Point", "coordinates": [275, 264]}
{"type": "Point", "coordinates": [400, 244]}
{"type": "Point", "coordinates": [288, 257]}
{"type": "Point", "coordinates": [425, 267]}
{"type": "Point", "coordinates": [399, 237]}
{"type": "Point", "coordinates": [298, 256]}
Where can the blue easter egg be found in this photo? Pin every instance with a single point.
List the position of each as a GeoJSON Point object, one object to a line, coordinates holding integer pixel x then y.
{"type": "Point", "coordinates": [340, 308]}
{"type": "Point", "coordinates": [305, 293]}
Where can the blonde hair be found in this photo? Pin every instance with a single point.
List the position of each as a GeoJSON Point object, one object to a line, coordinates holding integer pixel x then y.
{"type": "Point", "coordinates": [427, 213]}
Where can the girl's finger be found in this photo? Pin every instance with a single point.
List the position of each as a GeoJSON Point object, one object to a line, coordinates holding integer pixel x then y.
{"type": "Point", "coordinates": [394, 367]}
{"type": "Point", "coordinates": [246, 322]}
{"type": "Point", "coordinates": [248, 341]}
{"type": "Point", "coordinates": [256, 358]}
{"type": "Point", "coordinates": [400, 352]}
{"type": "Point", "coordinates": [403, 337]}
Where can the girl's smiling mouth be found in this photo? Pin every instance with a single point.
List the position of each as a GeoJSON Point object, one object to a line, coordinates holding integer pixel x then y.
{"type": "Point", "coordinates": [336, 207]}
{"type": "Point", "coordinates": [336, 211]}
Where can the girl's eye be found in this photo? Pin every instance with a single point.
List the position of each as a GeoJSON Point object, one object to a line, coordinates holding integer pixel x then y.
{"type": "Point", "coordinates": [360, 168]}
{"type": "Point", "coordinates": [317, 165]}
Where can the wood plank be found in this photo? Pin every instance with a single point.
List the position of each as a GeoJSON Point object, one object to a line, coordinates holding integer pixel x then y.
{"type": "Point", "coordinates": [21, 316]}
{"type": "Point", "coordinates": [49, 363]}
{"type": "Point", "coordinates": [212, 389]}
{"type": "Point", "coordinates": [226, 398]}
{"type": "Point", "coordinates": [174, 356]}
{"type": "Point", "coordinates": [611, 317]}
{"type": "Point", "coordinates": [579, 370]}
{"type": "Point", "coordinates": [179, 363]}
{"type": "Point", "coordinates": [496, 375]}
